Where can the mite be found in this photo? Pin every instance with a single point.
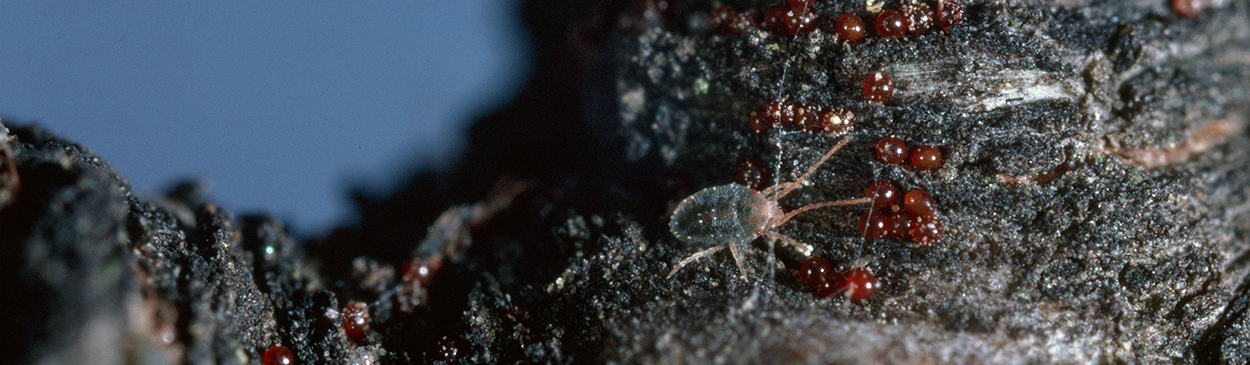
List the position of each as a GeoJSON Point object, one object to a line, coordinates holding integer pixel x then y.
{"type": "Point", "coordinates": [734, 215]}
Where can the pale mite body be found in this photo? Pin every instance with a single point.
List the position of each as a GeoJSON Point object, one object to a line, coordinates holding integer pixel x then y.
{"type": "Point", "coordinates": [734, 215]}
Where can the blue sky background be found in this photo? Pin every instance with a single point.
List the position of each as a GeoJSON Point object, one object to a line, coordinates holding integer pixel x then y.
{"type": "Point", "coordinates": [281, 105]}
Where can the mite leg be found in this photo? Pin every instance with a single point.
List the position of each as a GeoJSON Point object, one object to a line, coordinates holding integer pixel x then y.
{"type": "Point", "coordinates": [786, 218]}
{"type": "Point", "coordinates": [803, 248]}
{"type": "Point", "coordinates": [696, 256]}
{"type": "Point", "coordinates": [738, 260]}
{"type": "Point", "coordinates": [785, 191]}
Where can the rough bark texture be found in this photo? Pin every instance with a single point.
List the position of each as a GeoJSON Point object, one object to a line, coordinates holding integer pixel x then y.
{"type": "Point", "coordinates": [1094, 195]}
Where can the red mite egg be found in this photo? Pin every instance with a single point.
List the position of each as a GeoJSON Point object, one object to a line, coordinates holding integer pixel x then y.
{"type": "Point", "coordinates": [873, 225]}
{"type": "Point", "coordinates": [891, 23]}
{"type": "Point", "coordinates": [850, 28]}
{"type": "Point", "coordinates": [949, 13]}
{"type": "Point", "coordinates": [278, 355]}
{"type": "Point", "coordinates": [759, 122]}
{"type": "Point", "coordinates": [814, 270]}
{"type": "Point", "coordinates": [900, 225]}
{"type": "Point", "coordinates": [883, 194]}
{"type": "Point", "coordinates": [892, 150]}
{"type": "Point", "coordinates": [1187, 8]}
{"type": "Point", "coordinates": [926, 230]}
{"type": "Point", "coordinates": [787, 113]}
{"type": "Point", "coordinates": [878, 87]}
{"type": "Point", "coordinates": [800, 4]}
{"type": "Point", "coordinates": [750, 174]}
{"type": "Point", "coordinates": [919, 17]}
{"type": "Point", "coordinates": [919, 202]}
{"type": "Point", "coordinates": [724, 20]}
{"type": "Point", "coordinates": [789, 21]}
{"type": "Point", "coordinates": [781, 112]}
{"type": "Point", "coordinates": [421, 269]}
{"type": "Point", "coordinates": [775, 19]}
{"type": "Point", "coordinates": [926, 158]}
{"type": "Point", "coordinates": [775, 114]}
{"type": "Point", "coordinates": [833, 284]}
{"type": "Point", "coordinates": [355, 320]}
{"type": "Point", "coordinates": [806, 117]}
{"type": "Point", "coordinates": [836, 121]}
{"type": "Point", "coordinates": [799, 20]}
{"type": "Point", "coordinates": [860, 284]}
{"type": "Point", "coordinates": [747, 20]}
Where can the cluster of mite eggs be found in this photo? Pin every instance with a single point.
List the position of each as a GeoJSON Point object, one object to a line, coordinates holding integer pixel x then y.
{"type": "Point", "coordinates": [857, 283]}
{"type": "Point", "coordinates": [910, 216]}
{"type": "Point", "coordinates": [781, 113]}
{"type": "Point", "coordinates": [798, 18]}
{"type": "Point", "coordinates": [355, 322]}
{"type": "Point", "coordinates": [354, 317]}
{"type": "Point", "coordinates": [914, 219]}
{"type": "Point", "coordinates": [915, 18]}
{"type": "Point", "coordinates": [814, 118]}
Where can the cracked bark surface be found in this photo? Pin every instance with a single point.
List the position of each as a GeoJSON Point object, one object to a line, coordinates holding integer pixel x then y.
{"type": "Point", "coordinates": [1094, 195]}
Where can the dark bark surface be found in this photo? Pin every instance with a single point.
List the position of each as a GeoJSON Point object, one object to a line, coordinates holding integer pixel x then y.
{"type": "Point", "coordinates": [1094, 195]}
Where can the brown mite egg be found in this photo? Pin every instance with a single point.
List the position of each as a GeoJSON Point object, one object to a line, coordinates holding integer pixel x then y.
{"type": "Point", "coordinates": [799, 20]}
{"type": "Point", "coordinates": [355, 320]}
{"type": "Point", "coordinates": [900, 225]}
{"type": "Point", "coordinates": [883, 194]}
{"type": "Point", "coordinates": [891, 23]}
{"type": "Point", "coordinates": [751, 174]}
{"type": "Point", "coordinates": [782, 112]}
{"type": "Point", "coordinates": [860, 284]}
{"type": "Point", "coordinates": [835, 122]}
{"type": "Point", "coordinates": [759, 122]}
{"type": "Point", "coordinates": [789, 21]}
{"type": "Point", "coordinates": [1188, 9]}
{"type": "Point", "coordinates": [949, 13]}
{"type": "Point", "coordinates": [850, 28]}
{"type": "Point", "coordinates": [926, 158]}
{"type": "Point", "coordinates": [769, 116]}
{"type": "Point", "coordinates": [813, 270]}
{"type": "Point", "coordinates": [421, 269]}
{"type": "Point", "coordinates": [724, 20]}
{"type": "Point", "coordinates": [278, 355]}
{"type": "Point", "coordinates": [873, 225]}
{"type": "Point", "coordinates": [747, 20]}
{"type": "Point", "coordinates": [775, 19]}
{"type": "Point", "coordinates": [806, 117]}
{"type": "Point", "coordinates": [800, 4]}
{"type": "Point", "coordinates": [919, 202]}
{"type": "Point", "coordinates": [834, 283]}
{"type": "Point", "coordinates": [878, 87]}
{"type": "Point", "coordinates": [919, 17]}
{"type": "Point", "coordinates": [926, 230]}
{"type": "Point", "coordinates": [891, 150]}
